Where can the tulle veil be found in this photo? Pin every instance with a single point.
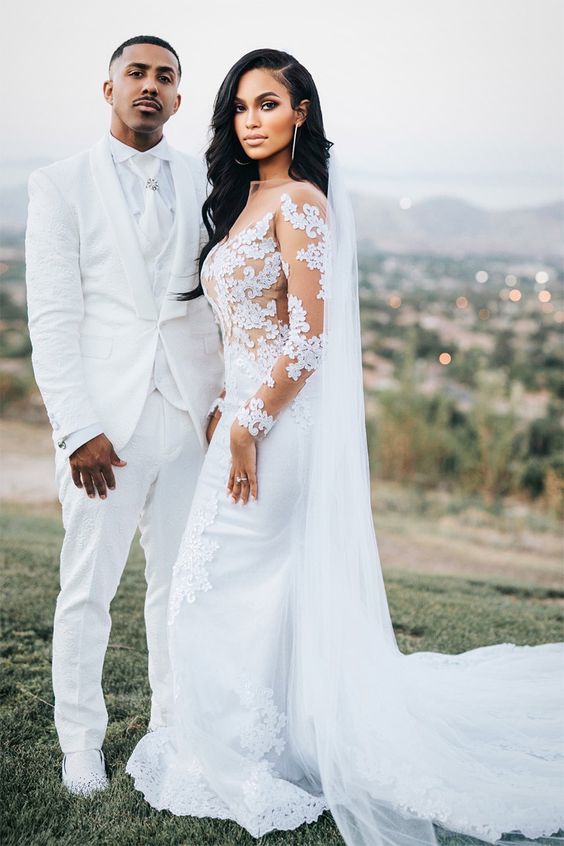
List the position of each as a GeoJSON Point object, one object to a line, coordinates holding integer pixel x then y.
{"type": "Point", "coordinates": [399, 742]}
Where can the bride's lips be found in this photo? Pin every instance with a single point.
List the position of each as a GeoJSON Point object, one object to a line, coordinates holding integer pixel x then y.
{"type": "Point", "coordinates": [147, 105]}
{"type": "Point", "coordinates": [255, 140]}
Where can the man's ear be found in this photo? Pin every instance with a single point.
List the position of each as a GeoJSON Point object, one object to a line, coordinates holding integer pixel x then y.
{"type": "Point", "coordinates": [303, 110]}
{"type": "Point", "coordinates": [177, 103]}
{"type": "Point", "coordinates": [108, 89]}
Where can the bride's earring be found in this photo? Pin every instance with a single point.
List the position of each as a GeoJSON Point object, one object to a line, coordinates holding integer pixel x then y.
{"type": "Point", "coordinates": [241, 163]}
{"type": "Point", "coordinates": [294, 141]}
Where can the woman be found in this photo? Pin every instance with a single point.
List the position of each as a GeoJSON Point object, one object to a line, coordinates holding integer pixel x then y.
{"type": "Point", "coordinates": [290, 694]}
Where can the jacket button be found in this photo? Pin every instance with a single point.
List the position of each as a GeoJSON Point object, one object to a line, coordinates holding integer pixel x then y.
{"type": "Point", "coordinates": [62, 444]}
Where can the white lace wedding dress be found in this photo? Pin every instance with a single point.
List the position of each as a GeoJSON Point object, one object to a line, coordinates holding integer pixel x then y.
{"type": "Point", "coordinates": [472, 742]}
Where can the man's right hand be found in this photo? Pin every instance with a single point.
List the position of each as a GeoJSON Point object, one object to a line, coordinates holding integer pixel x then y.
{"type": "Point", "coordinates": [212, 426]}
{"type": "Point", "coordinates": [91, 466]}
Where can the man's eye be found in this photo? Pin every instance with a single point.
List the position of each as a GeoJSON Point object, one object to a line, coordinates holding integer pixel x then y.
{"type": "Point", "coordinates": [165, 78]}
{"type": "Point", "coordinates": [270, 104]}
{"type": "Point", "coordinates": [135, 73]}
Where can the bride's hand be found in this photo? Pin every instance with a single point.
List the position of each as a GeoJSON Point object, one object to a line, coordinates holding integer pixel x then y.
{"type": "Point", "coordinates": [243, 465]}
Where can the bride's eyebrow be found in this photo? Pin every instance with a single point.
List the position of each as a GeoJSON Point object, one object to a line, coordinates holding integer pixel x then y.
{"type": "Point", "coordinates": [259, 97]}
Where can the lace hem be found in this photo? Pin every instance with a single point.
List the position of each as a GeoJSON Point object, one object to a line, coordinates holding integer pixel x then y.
{"type": "Point", "coordinates": [218, 404]}
{"type": "Point", "coordinates": [184, 791]}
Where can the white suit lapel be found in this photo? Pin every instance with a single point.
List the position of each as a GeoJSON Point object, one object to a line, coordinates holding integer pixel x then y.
{"type": "Point", "coordinates": [184, 275]}
{"type": "Point", "coordinates": [123, 229]}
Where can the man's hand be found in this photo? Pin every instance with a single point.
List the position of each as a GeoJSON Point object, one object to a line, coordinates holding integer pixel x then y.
{"type": "Point", "coordinates": [212, 425]}
{"type": "Point", "coordinates": [91, 466]}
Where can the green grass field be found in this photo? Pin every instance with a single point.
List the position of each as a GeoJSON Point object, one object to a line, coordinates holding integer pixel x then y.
{"type": "Point", "coordinates": [447, 614]}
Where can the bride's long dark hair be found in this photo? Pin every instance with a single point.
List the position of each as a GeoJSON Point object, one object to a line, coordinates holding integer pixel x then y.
{"type": "Point", "coordinates": [230, 180]}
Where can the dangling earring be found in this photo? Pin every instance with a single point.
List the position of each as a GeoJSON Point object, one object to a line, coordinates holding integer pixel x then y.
{"type": "Point", "coordinates": [243, 164]}
{"type": "Point", "coordinates": [294, 141]}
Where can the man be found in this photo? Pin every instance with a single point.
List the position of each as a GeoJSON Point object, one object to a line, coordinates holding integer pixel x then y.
{"type": "Point", "coordinates": [127, 373]}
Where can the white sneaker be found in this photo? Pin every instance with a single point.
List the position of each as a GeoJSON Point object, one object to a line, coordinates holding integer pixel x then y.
{"type": "Point", "coordinates": [84, 773]}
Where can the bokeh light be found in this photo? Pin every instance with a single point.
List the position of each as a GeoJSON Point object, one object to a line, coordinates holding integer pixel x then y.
{"type": "Point", "coordinates": [394, 301]}
{"type": "Point", "coordinates": [544, 296]}
{"type": "Point", "coordinates": [482, 276]}
{"type": "Point", "coordinates": [511, 280]}
{"type": "Point", "coordinates": [515, 295]}
{"type": "Point", "coordinates": [405, 203]}
{"type": "Point", "coordinates": [461, 302]}
{"type": "Point", "coordinates": [445, 358]}
{"type": "Point", "coordinates": [484, 313]}
{"type": "Point", "coordinates": [542, 277]}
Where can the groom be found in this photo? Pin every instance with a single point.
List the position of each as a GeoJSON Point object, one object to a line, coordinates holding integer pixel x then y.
{"type": "Point", "coordinates": [127, 373]}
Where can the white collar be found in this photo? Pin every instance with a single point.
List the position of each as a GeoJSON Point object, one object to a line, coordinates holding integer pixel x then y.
{"type": "Point", "coordinates": [121, 152]}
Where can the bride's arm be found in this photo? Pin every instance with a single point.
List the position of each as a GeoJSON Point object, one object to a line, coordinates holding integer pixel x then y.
{"type": "Point", "coordinates": [301, 230]}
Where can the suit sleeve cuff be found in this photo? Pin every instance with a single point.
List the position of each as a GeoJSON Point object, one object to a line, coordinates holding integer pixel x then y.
{"type": "Point", "coordinates": [76, 439]}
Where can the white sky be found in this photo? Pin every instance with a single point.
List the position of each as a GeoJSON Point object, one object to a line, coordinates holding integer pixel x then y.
{"type": "Point", "coordinates": [437, 92]}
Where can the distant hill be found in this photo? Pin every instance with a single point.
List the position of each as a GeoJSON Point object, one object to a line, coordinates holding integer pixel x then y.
{"type": "Point", "coordinates": [446, 225]}
{"type": "Point", "coordinates": [440, 225]}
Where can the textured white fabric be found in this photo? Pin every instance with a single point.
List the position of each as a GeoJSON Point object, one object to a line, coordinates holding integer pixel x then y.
{"type": "Point", "coordinates": [133, 190]}
{"type": "Point", "coordinates": [94, 322]}
{"type": "Point", "coordinates": [290, 694]}
{"type": "Point", "coordinates": [153, 212]}
{"type": "Point", "coordinates": [153, 492]}
{"type": "Point", "coordinates": [155, 220]}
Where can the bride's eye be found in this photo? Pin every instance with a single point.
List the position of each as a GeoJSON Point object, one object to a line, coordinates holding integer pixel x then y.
{"type": "Point", "coordinates": [271, 104]}
{"type": "Point", "coordinates": [239, 108]}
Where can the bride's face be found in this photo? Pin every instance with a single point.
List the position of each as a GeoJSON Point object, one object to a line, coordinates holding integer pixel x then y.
{"type": "Point", "coordinates": [264, 119]}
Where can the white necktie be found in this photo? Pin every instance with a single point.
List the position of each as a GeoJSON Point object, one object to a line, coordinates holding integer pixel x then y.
{"type": "Point", "coordinates": [156, 219]}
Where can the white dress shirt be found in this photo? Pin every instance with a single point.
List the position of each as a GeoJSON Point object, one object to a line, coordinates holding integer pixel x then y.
{"type": "Point", "coordinates": [130, 182]}
{"type": "Point", "coordinates": [134, 194]}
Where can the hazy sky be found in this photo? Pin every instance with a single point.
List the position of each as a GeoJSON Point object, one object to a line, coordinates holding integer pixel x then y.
{"type": "Point", "coordinates": [416, 92]}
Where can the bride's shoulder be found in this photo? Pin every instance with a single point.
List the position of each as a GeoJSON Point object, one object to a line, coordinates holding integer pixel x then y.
{"type": "Point", "coordinates": [302, 191]}
{"type": "Point", "coordinates": [299, 198]}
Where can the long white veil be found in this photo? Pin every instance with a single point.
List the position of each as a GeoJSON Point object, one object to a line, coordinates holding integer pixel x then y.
{"type": "Point", "coordinates": [399, 740]}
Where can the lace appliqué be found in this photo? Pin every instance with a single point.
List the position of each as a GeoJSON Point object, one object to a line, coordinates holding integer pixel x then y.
{"type": "Point", "coordinates": [187, 793]}
{"type": "Point", "coordinates": [300, 410]}
{"type": "Point", "coordinates": [273, 802]}
{"type": "Point", "coordinates": [310, 220]}
{"type": "Point", "coordinates": [190, 574]}
{"type": "Point", "coordinates": [267, 803]}
{"type": "Point", "coordinates": [254, 418]}
{"type": "Point", "coordinates": [306, 351]}
{"type": "Point", "coordinates": [261, 731]}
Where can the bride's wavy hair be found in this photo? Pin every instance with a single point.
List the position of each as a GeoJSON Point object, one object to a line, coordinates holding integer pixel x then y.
{"type": "Point", "coordinates": [229, 180]}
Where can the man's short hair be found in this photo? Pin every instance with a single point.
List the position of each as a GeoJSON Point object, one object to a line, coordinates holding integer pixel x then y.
{"type": "Point", "coordinates": [145, 39]}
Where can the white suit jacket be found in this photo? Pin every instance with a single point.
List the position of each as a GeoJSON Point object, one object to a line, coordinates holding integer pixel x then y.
{"type": "Point", "coordinates": [93, 321]}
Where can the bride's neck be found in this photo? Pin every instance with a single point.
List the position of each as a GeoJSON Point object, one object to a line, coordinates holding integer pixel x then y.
{"type": "Point", "coordinates": [275, 167]}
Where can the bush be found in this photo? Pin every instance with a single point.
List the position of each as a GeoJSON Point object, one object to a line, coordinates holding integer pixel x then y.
{"type": "Point", "coordinates": [12, 388]}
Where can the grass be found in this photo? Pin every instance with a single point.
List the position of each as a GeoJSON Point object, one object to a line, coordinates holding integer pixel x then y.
{"type": "Point", "coordinates": [448, 614]}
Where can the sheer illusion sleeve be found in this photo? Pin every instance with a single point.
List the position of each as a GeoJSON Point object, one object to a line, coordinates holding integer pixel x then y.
{"type": "Point", "coordinates": [302, 233]}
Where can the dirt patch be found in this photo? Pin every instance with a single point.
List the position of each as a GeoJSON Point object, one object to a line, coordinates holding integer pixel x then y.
{"type": "Point", "coordinates": [28, 463]}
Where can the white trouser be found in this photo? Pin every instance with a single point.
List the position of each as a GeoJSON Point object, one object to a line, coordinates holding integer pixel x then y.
{"type": "Point", "coordinates": [153, 492]}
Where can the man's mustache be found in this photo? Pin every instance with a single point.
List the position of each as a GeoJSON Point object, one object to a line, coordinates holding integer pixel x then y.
{"type": "Point", "coordinates": [152, 100]}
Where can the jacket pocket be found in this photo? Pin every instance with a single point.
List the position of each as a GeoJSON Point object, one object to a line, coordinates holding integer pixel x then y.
{"type": "Point", "coordinates": [92, 346]}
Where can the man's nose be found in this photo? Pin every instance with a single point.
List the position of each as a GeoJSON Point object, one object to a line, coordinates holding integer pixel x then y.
{"type": "Point", "coordinates": [150, 86]}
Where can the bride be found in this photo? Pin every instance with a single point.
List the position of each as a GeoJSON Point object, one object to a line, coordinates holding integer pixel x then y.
{"type": "Point", "coordinates": [290, 693]}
